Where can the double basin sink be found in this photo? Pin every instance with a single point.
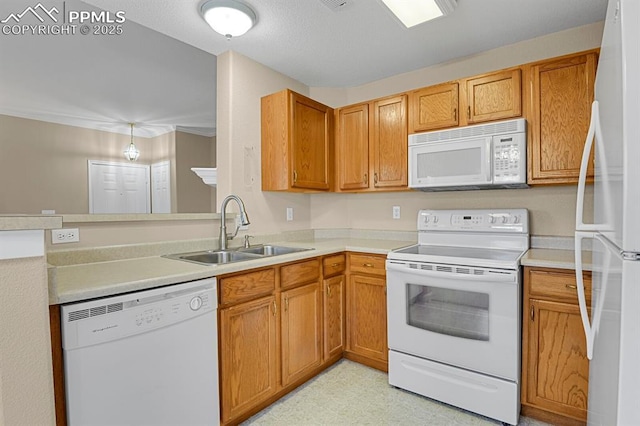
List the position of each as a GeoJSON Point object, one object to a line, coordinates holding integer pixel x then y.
{"type": "Point", "coordinates": [217, 257]}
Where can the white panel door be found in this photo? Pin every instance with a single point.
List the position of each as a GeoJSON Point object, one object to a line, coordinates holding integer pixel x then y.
{"type": "Point", "coordinates": [161, 187]}
{"type": "Point", "coordinates": [119, 188]}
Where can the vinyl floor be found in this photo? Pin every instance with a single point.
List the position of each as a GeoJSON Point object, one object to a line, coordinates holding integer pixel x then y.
{"type": "Point", "coordinates": [353, 394]}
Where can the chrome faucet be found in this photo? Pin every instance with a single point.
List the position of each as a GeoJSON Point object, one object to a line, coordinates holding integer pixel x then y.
{"type": "Point", "coordinates": [244, 220]}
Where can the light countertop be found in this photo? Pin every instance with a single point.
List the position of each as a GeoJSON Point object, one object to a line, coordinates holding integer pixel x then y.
{"type": "Point", "coordinates": [554, 258]}
{"type": "Point", "coordinates": [29, 222]}
{"type": "Point", "coordinates": [75, 282]}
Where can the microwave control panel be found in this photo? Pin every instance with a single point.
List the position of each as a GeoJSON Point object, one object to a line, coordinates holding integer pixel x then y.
{"type": "Point", "coordinates": [509, 158]}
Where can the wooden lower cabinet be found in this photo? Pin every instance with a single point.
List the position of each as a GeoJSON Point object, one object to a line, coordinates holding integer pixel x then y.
{"type": "Point", "coordinates": [367, 311]}
{"type": "Point", "coordinates": [248, 356]}
{"type": "Point", "coordinates": [334, 319]}
{"type": "Point", "coordinates": [301, 332]}
{"type": "Point", "coordinates": [555, 368]}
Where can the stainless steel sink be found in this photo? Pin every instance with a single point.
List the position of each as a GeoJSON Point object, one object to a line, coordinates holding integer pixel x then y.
{"type": "Point", "coordinates": [270, 250]}
{"type": "Point", "coordinates": [214, 257]}
{"type": "Point", "coordinates": [218, 257]}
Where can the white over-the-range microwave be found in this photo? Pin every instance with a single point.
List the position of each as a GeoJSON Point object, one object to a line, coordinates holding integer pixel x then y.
{"type": "Point", "coordinates": [483, 156]}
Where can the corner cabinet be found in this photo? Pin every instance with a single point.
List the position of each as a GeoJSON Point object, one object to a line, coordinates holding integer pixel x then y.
{"type": "Point", "coordinates": [297, 140]}
{"type": "Point", "coordinates": [333, 268]}
{"type": "Point", "coordinates": [555, 368]}
{"type": "Point", "coordinates": [559, 94]}
{"type": "Point", "coordinates": [371, 145]}
{"type": "Point", "coordinates": [367, 311]}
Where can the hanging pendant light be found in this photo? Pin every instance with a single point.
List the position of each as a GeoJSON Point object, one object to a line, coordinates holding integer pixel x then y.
{"type": "Point", "coordinates": [131, 153]}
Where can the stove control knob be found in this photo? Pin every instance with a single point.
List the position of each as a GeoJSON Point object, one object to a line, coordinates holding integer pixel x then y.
{"type": "Point", "coordinates": [504, 219]}
{"type": "Point", "coordinates": [427, 219]}
{"type": "Point", "coordinates": [435, 219]}
{"type": "Point", "coordinates": [515, 219]}
{"type": "Point", "coordinates": [492, 219]}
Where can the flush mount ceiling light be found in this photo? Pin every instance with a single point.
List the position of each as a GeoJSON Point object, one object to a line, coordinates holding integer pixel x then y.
{"type": "Point", "coordinates": [228, 17]}
{"type": "Point", "coordinates": [131, 153]}
{"type": "Point", "coordinates": [414, 12]}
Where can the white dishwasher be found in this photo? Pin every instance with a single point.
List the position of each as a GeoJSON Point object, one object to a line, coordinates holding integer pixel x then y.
{"type": "Point", "coordinates": [144, 358]}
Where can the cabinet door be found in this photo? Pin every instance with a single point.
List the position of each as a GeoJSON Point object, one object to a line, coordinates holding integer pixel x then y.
{"type": "Point", "coordinates": [334, 316]}
{"type": "Point", "coordinates": [389, 143]}
{"type": "Point", "coordinates": [367, 317]}
{"type": "Point", "coordinates": [493, 97]}
{"type": "Point", "coordinates": [301, 332]}
{"type": "Point", "coordinates": [248, 356]}
{"type": "Point", "coordinates": [558, 368]}
{"type": "Point", "coordinates": [310, 145]}
{"type": "Point", "coordinates": [353, 147]}
{"type": "Point", "coordinates": [561, 97]}
{"type": "Point", "coordinates": [434, 107]}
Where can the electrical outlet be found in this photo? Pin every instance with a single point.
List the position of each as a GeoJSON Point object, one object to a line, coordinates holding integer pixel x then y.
{"type": "Point", "coordinates": [289, 213]}
{"type": "Point", "coordinates": [65, 235]}
{"type": "Point", "coordinates": [396, 212]}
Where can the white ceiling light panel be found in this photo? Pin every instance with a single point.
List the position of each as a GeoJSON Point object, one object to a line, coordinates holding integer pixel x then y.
{"type": "Point", "coordinates": [414, 12]}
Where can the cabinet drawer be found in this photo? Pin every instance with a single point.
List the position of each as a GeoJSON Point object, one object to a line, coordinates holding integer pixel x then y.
{"type": "Point", "coordinates": [332, 265]}
{"type": "Point", "coordinates": [247, 286]}
{"type": "Point", "coordinates": [367, 263]}
{"type": "Point", "coordinates": [558, 284]}
{"type": "Point", "coordinates": [300, 273]}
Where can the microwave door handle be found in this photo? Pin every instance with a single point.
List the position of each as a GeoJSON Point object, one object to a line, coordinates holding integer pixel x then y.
{"type": "Point", "coordinates": [506, 277]}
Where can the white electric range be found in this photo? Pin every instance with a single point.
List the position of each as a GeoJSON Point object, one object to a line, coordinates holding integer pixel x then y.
{"type": "Point", "coordinates": [454, 310]}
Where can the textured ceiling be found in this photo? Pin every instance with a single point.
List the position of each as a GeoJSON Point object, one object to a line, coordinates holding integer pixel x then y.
{"type": "Point", "coordinates": [166, 78]}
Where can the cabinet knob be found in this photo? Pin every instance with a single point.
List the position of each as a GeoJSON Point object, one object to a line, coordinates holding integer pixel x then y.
{"type": "Point", "coordinates": [329, 290]}
{"type": "Point", "coordinates": [366, 178]}
{"type": "Point", "coordinates": [295, 176]}
{"type": "Point", "coordinates": [455, 114]}
{"type": "Point", "coordinates": [375, 178]}
{"type": "Point", "coordinates": [367, 265]}
{"type": "Point", "coordinates": [275, 308]}
{"type": "Point", "coordinates": [571, 286]}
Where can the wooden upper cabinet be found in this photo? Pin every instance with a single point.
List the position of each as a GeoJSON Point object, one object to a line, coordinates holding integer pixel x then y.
{"type": "Point", "coordinates": [559, 92]}
{"type": "Point", "coordinates": [390, 142]}
{"type": "Point", "coordinates": [353, 147]}
{"type": "Point", "coordinates": [371, 145]}
{"type": "Point", "coordinates": [296, 143]}
{"type": "Point", "coordinates": [493, 96]}
{"type": "Point", "coordinates": [434, 107]}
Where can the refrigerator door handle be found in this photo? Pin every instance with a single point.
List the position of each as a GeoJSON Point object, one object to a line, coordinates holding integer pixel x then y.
{"type": "Point", "coordinates": [584, 165]}
{"type": "Point", "coordinates": [582, 300]}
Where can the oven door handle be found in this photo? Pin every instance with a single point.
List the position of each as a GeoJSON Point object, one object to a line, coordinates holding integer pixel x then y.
{"type": "Point", "coordinates": [493, 276]}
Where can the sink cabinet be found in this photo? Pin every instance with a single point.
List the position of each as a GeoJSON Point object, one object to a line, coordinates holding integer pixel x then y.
{"type": "Point", "coordinates": [271, 335]}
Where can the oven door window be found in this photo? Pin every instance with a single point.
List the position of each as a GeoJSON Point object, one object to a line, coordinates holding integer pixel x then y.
{"type": "Point", "coordinates": [456, 313]}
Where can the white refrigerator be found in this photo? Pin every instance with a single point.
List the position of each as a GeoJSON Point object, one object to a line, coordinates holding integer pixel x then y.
{"type": "Point", "coordinates": [612, 326]}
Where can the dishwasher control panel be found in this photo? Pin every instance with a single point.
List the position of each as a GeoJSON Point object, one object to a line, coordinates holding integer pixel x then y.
{"type": "Point", "coordinates": [102, 320]}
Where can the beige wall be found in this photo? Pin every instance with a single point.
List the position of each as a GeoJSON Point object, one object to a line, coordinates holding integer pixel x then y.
{"type": "Point", "coordinates": [241, 83]}
{"type": "Point", "coordinates": [552, 209]}
{"type": "Point", "coordinates": [46, 163]}
{"type": "Point", "coordinates": [26, 381]}
{"type": "Point", "coordinates": [193, 196]}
